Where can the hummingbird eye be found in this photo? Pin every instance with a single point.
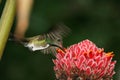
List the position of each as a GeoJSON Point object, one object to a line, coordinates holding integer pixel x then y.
{"type": "Point", "coordinates": [59, 40]}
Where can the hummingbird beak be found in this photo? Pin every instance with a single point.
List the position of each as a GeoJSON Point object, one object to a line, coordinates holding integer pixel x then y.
{"type": "Point", "coordinates": [58, 47]}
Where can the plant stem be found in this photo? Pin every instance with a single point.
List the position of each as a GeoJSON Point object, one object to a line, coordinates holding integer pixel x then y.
{"type": "Point", "coordinates": [6, 22]}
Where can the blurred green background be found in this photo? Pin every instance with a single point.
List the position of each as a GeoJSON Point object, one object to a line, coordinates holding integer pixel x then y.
{"type": "Point", "coordinates": [96, 20]}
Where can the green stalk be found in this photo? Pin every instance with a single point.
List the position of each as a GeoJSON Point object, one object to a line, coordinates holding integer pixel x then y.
{"type": "Point", "coordinates": [6, 22]}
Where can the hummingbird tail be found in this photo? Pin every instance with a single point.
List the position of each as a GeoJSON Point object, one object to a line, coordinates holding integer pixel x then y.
{"type": "Point", "coordinates": [14, 39]}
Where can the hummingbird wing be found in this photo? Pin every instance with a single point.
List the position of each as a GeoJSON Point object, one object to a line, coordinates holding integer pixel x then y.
{"type": "Point", "coordinates": [58, 31]}
{"type": "Point", "coordinates": [56, 35]}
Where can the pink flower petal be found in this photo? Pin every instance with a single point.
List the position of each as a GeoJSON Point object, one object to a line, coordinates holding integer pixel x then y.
{"type": "Point", "coordinates": [84, 61]}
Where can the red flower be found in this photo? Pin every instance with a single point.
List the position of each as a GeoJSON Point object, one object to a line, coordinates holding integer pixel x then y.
{"type": "Point", "coordinates": [84, 61]}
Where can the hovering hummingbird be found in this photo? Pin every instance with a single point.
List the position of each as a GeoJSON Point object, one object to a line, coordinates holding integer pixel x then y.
{"type": "Point", "coordinates": [46, 43]}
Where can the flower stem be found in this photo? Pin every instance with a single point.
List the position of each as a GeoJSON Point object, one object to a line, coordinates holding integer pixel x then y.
{"type": "Point", "coordinates": [6, 22]}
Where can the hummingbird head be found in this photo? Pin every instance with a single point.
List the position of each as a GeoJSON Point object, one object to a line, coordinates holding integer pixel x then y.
{"type": "Point", "coordinates": [53, 45]}
{"type": "Point", "coordinates": [58, 42]}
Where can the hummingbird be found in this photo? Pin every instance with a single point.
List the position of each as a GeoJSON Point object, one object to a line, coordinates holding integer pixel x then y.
{"type": "Point", "coordinates": [47, 42]}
